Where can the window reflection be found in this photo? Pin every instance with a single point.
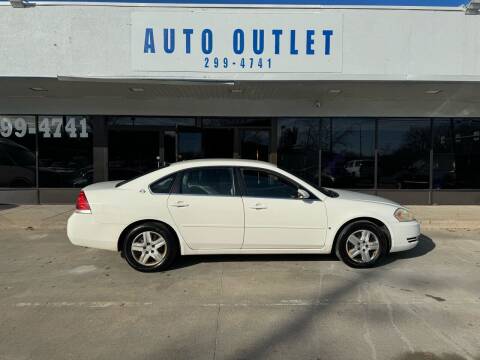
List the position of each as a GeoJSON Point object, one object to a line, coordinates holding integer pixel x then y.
{"type": "Point", "coordinates": [467, 153]}
{"type": "Point", "coordinates": [17, 151]}
{"type": "Point", "coordinates": [298, 147]}
{"type": "Point", "coordinates": [404, 148]}
{"type": "Point", "coordinates": [65, 151]}
{"type": "Point", "coordinates": [348, 156]}
{"type": "Point", "coordinates": [344, 147]}
{"type": "Point", "coordinates": [229, 122]}
{"type": "Point", "coordinates": [255, 144]}
{"type": "Point", "coordinates": [444, 175]}
{"type": "Point", "coordinates": [132, 153]}
{"type": "Point", "coordinates": [456, 159]}
{"type": "Point", "coordinates": [149, 121]}
{"type": "Point", "coordinates": [189, 145]}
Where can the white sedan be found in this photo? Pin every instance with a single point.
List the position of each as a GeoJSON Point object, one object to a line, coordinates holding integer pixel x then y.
{"type": "Point", "coordinates": [235, 207]}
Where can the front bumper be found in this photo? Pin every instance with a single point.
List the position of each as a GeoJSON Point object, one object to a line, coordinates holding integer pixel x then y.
{"type": "Point", "coordinates": [405, 235]}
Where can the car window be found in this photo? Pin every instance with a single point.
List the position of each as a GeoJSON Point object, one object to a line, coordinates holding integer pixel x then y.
{"type": "Point", "coordinates": [163, 185]}
{"type": "Point", "coordinates": [208, 181]}
{"type": "Point", "coordinates": [259, 183]}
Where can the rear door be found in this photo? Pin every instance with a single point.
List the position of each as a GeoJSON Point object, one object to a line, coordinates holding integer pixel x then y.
{"type": "Point", "coordinates": [207, 208]}
{"type": "Point", "coordinates": [274, 215]}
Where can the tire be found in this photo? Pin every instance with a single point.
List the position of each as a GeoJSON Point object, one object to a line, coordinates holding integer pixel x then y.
{"type": "Point", "coordinates": [361, 244]}
{"type": "Point", "coordinates": [150, 247]}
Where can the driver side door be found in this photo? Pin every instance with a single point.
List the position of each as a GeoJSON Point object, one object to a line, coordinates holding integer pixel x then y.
{"type": "Point", "coordinates": [275, 218]}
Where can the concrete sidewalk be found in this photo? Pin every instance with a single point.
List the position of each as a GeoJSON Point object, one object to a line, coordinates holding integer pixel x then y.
{"type": "Point", "coordinates": [34, 216]}
{"type": "Point", "coordinates": [55, 216]}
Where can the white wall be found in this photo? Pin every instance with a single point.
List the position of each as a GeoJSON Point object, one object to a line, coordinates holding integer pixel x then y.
{"type": "Point", "coordinates": [94, 41]}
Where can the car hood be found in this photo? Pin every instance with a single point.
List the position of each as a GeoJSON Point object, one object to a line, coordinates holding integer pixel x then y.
{"type": "Point", "coordinates": [356, 196]}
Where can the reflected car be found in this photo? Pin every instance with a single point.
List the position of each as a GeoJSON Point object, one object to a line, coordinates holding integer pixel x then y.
{"type": "Point", "coordinates": [83, 177]}
{"type": "Point", "coordinates": [17, 165]}
{"type": "Point", "coordinates": [415, 176]}
{"type": "Point", "coordinates": [235, 207]}
{"type": "Point", "coordinates": [359, 168]}
{"type": "Point", "coordinates": [336, 176]}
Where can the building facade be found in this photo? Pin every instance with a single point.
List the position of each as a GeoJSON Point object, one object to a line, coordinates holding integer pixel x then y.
{"type": "Point", "coordinates": [373, 96]}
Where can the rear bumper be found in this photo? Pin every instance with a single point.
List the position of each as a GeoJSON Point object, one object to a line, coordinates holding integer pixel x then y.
{"type": "Point", "coordinates": [405, 235]}
{"type": "Point", "coordinates": [83, 230]}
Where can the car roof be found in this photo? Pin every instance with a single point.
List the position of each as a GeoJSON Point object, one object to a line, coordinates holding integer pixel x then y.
{"type": "Point", "coordinates": [221, 162]}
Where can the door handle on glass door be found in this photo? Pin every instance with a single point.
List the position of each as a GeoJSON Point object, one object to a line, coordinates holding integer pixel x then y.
{"type": "Point", "coordinates": [258, 206]}
{"type": "Point", "coordinates": [180, 204]}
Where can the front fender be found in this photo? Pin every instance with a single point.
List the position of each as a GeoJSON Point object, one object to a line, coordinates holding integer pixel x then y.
{"type": "Point", "coordinates": [339, 216]}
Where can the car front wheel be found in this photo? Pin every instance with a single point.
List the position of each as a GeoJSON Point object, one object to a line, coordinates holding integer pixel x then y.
{"type": "Point", "coordinates": [361, 244]}
{"type": "Point", "coordinates": [150, 247]}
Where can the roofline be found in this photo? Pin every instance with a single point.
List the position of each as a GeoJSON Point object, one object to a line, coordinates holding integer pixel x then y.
{"type": "Point", "coordinates": [147, 179]}
{"type": "Point", "coordinates": [240, 5]}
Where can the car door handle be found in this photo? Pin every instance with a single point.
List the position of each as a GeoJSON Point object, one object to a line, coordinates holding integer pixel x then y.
{"type": "Point", "coordinates": [258, 206]}
{"type": "Point", "coordinates": [180, 204]}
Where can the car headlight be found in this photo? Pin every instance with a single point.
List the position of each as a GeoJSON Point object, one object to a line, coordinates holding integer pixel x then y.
{"type": "Point", "coordinates": [402, 215]}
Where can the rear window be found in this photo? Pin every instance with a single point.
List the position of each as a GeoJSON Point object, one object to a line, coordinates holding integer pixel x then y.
{"type": "Point", "coordinates": [163, 186]}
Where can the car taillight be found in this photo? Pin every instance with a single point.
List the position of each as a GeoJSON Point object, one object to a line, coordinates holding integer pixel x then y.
{"type": "Point", "coordinates": [82, 205]}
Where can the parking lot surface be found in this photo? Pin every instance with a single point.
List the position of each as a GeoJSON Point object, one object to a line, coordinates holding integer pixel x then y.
{"type": "Point", "coordinates": [58, 301]}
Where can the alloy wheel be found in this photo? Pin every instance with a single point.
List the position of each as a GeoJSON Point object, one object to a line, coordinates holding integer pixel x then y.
{"type": "Point", "coordinates": [149, 248]}
{"type": "Point", "coordinates": [363, 246]}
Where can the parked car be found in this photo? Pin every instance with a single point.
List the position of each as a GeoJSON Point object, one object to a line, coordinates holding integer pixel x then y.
{"type": "Point", "coordinates": [235, 207]}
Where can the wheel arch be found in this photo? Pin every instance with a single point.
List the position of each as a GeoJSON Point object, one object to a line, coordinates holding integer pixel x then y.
{"type": "Point", "coordinates": [376, 221]}
{"type": "Point", "coordinates": [123, 234]}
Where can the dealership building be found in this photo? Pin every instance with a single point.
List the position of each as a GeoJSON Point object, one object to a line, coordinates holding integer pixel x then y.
{"type": "Point", "coordinates": [378, 96]}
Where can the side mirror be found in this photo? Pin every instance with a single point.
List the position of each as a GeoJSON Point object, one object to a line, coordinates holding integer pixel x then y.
{"type": "Point", "coordinates": [302, 194]}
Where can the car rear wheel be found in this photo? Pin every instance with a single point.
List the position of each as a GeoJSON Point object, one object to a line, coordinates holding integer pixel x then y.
{"type": "Point", "coordinates": [150, 247]}
{"type": "Point", "coordinates": [361, 244]}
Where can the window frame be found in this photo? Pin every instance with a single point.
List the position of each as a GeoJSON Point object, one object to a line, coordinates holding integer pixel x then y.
{"type": "Point", "coordinates": [243, 186]}
{"type": "Point", "coordinates": [177, 183]}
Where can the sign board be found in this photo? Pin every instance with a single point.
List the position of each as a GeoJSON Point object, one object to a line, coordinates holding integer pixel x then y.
{"type": "Point", "coordinates": [238, 41]}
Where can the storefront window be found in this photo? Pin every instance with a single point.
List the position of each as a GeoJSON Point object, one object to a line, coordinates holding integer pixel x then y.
{"type": "Point", "coordinates": [456, 156]}
{"type": "Point", "coordinates": [132, 153]}
{"type": "Point", "coordinates": [467, 153]}
{"type": "Point", "coordinates": [65, 151]}
{"type": "Point", "coordinates": [404, 153]}
{"type": "Point", "coordinates": [149, 121]}
{"type": "Point", "coordinates": [17, 151]}
{"type": "Point", "coordinates": [348, 161]}
{"type": "Point", "coordinates": [444, 175]}
{"type": "Point", "coordinates": [298, 147]}
{"type": "Point", "coordinates": [240, 122]}
{"type": "Point", "coordinates": [254, 144]}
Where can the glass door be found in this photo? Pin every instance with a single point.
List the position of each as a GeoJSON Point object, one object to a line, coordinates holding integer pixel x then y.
{"type": "Point", "coordinates": [169, 147]}
{"type": "Point", "coordinates": [189, 144]}
{"type": "Point", "coordinates": [255, 144]}
{"type": "Point", "coordinates": [133, 153]}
